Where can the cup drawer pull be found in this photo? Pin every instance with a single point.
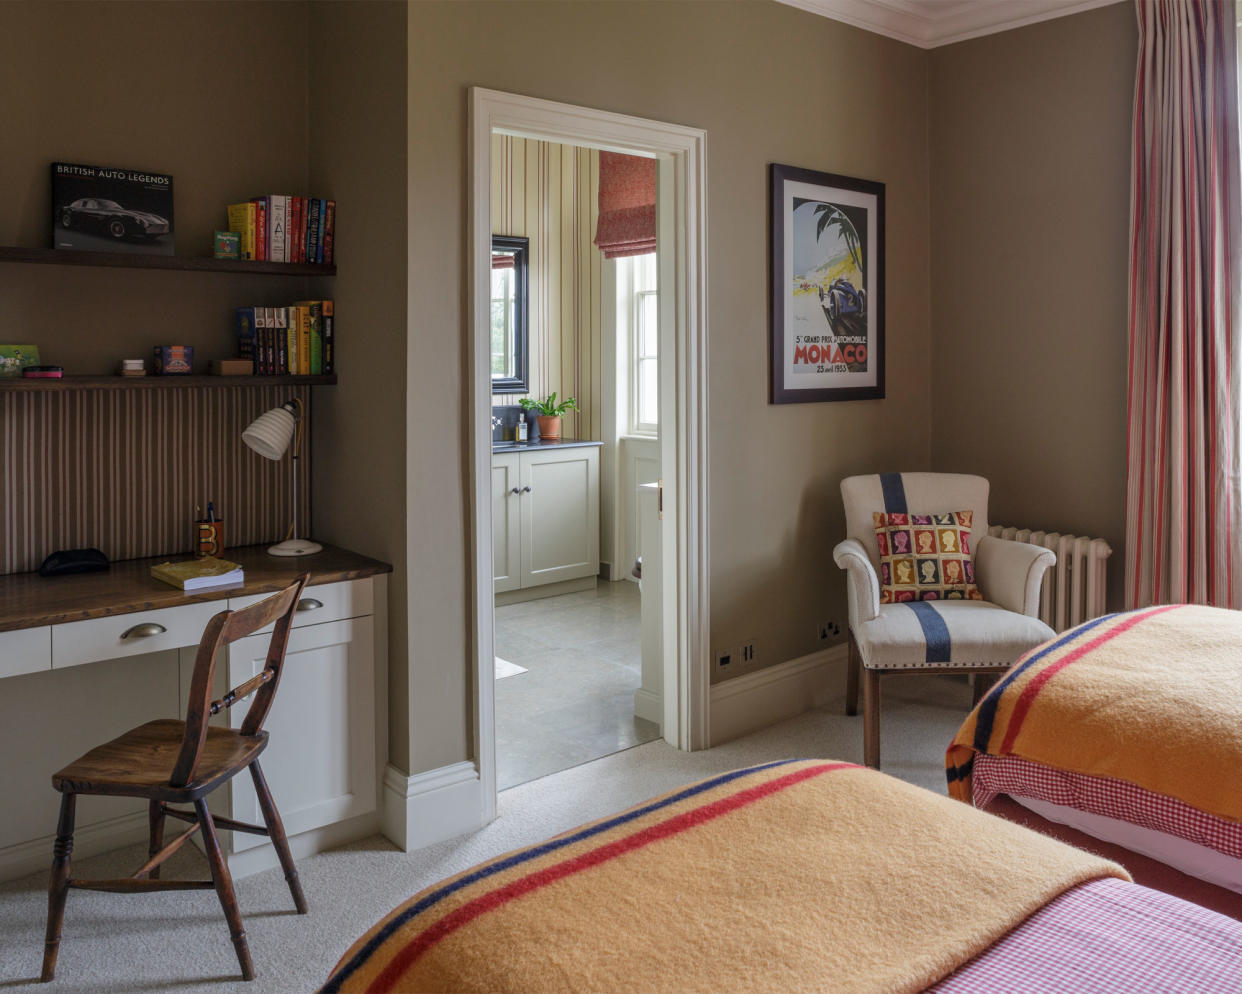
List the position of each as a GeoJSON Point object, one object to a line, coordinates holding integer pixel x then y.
{"type": "Point", "coordinates": [309, 604]}
{"type": "Point", "coordinates": [145, 630]}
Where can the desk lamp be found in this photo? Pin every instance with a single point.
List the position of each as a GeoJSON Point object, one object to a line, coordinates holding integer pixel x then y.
{"type": "Point", "coordinates": [269, 435]}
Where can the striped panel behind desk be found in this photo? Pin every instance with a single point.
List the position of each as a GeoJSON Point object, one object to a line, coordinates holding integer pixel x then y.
{"type": "Point", "coordinates": [122, 470]}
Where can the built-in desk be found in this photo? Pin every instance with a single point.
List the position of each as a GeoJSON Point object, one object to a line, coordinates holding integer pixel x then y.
{"type": "Point", "coordinates": [76, 673]}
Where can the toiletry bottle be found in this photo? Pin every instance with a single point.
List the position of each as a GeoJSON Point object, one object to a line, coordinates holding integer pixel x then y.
{"type": "Point", "coordinates": [521, 430]}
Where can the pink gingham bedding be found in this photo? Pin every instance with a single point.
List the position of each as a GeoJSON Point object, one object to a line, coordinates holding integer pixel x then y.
{"type": "Point", "coordinates": [1105, 796]}
{"type": "Point", "coordinates": [1109, 936]}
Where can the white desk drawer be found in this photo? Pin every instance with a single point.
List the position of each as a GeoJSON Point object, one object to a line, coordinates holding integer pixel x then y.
{"type": "Point", "coordinates": [324, 602]}
{"type": "Point", "coordinates": [27, 650]}
{"type": "Point", "coordinates": [78, 642]}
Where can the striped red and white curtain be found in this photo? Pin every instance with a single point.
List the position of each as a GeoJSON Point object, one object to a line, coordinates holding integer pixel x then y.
{"type": "Point", "coordinates": [1183, 525]}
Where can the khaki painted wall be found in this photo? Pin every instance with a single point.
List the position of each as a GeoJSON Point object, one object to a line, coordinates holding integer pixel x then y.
{"type": "Point", "coordinates": [145, 86]}
{"type": "Point", "coordinates": [549, 193]}
{"type": "Point", "coordinates": [358, 157]}
{"type": "Point", "coordinates": [769, 83]}
{"type": "Point", "coordinates": [1030, 177]}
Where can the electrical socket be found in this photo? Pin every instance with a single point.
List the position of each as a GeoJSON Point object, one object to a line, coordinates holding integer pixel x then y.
{"type": "Point", "coordinates": [826, 631]}
{"type": "Point", "coordinates": [725, 660]}
{"type": "Point", "coordinates": [748, 651]}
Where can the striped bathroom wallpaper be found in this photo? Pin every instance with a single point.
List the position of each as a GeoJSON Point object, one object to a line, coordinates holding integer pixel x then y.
{"type": "Point", "coordinates": [550, 194]}
{"type": "Point", "coordinates": [122, 470]}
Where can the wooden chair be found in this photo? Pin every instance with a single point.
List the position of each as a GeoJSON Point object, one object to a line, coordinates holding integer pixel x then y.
{"type": "Point", "coordinates": [170, 762]}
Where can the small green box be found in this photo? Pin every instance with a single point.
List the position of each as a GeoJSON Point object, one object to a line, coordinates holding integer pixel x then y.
{"type": "Point", "coordinates": [228, 245]}
{"type": "Point", "coordinates": [14, 357]}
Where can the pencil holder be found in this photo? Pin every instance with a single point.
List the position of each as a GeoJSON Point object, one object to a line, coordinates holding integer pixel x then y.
{"type": "Point", "coordinates": [209, 537]}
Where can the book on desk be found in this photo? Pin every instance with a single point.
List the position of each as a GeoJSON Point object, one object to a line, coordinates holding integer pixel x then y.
{"type": "Point", "coordinates": [199, 574]}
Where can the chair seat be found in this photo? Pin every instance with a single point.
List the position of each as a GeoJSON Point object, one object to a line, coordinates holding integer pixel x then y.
{"type": "Point", "coordinates": [140, 762]}
{"type": "Point", "coordinates": [958, 634]}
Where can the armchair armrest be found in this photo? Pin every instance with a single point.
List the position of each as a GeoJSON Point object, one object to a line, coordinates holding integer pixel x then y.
{"type": "Point", "coordinates": [1009, 573]}
{"type": "Point", "coordinates": [862, 586]}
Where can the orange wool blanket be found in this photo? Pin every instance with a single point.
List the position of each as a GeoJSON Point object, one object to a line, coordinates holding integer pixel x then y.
{"type": "Point", "coordinates": [793, 876]}
{"type": "Point", "coordinates": [1150, 697]}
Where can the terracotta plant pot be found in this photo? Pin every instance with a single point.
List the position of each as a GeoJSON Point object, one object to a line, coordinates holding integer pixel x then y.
{"type": "Point", "coordinates": [550, 427]}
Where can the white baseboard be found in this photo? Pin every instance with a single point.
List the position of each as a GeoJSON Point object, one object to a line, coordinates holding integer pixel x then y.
{"type": "Point", "coordinates": [88, 840]}
{"type": "Point", "coordinates": [756, 700]}
{"type": "Point", "coordinates": [649, 705]}
{"type": "Point", "coordinates": [433, 806]}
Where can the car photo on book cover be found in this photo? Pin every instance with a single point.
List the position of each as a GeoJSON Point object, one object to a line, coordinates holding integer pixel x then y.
{"type": "Point", "coordinates": [105, 209]}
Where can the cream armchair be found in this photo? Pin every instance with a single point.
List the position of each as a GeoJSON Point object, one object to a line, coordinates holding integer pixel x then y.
{"type": "Point", "coordinates": [939, 636]}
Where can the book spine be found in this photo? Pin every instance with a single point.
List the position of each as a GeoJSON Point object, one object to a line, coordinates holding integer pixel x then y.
{"type": "Point", "coordinates": [245, 333]}
{"type": "Point", "coordinates": [323, 217]}
{"type": "Point", "coordinates": [282, 340]}
{"type": "Point", "coordinates": [315, 364]}
{"type": "Point", "coordinates": [329, 233]}
{"type": "Point", "coordinates": [241, 221]}
{"type": "Point", "coordinates": [295, 225]}
{"type": "Point", "coordinates": [260, 228]}
{"type": "Point", "coordinates": [329, 338]}
{"type": "Point", "coordinates": [312, 228]}
{"type": "Point", "coordinates": [304, 340]}
{"type": "Point", "coordinates": [291, 338]}
{"type": "Point", "coordinates": [260, 341]}
{"type": "Point", "coordinates": [272, 368]}
{"type": "Point", "coordinates": [278, 226]}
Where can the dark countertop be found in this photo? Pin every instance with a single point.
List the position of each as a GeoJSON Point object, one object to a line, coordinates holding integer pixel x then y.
{"type": "Point", "coordinates": [28, 600]}
{"type": "Point", "coordinates": [500, 448]}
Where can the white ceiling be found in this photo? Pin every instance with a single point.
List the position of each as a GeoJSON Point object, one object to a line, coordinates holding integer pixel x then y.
{"type": "Point", "coordinates": [931, 23]}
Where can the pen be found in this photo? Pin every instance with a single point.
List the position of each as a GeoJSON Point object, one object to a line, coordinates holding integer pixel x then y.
{"type": "Point", "coordinates": [211, 511]}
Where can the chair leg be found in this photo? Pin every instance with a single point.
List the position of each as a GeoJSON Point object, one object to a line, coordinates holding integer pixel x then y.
{"type": "Point", "coordinates": [851, 678]}
{"type": "Point", "coordinates": [224, 888]}
{"type": "Point", "coordinates": [58, 887]}
{"type": "Point", "coordinates": [276, 831]}
{"type": "Point", "coordinates": [871, 718]}
{"type": "Point", "coordinates": [983, 682]}
{"type": "Point", "coordinates": [155, 816]}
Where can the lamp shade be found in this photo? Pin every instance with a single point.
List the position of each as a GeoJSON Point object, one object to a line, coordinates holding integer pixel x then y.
{"type": "Point", "coordinates": [271, 432]}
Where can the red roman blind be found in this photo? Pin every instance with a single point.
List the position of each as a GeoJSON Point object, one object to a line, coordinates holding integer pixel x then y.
{"type": "Point", "coordinates": [627, 196]}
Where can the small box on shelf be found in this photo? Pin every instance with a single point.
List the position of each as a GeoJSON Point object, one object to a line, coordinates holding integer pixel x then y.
{"type": "Point", "coordinates": [174, 360]}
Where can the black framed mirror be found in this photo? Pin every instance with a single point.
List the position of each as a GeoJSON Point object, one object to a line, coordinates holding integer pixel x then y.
{"type": "Point", "coordinates": [510, 313]}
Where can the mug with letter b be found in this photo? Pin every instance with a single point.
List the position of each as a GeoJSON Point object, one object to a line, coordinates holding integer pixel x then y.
{"type": "Point", "coordinates": [209, 537]}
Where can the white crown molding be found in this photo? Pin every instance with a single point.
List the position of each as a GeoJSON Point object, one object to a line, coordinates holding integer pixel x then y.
{"type": "Point", "coordinates": [932, 23]}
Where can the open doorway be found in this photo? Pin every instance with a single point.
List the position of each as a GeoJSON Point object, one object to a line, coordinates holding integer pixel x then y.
{"type": "Point", "coordinates": [682, 577]}
{"type": "Point", "coordinates": [574, 324]}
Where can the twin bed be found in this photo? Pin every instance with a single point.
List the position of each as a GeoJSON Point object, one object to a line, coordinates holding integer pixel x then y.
{"type": "Point", "coordinates": [819, 875]}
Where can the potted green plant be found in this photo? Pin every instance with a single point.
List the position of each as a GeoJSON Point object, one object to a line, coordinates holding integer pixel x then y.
{"type": "Point", "coordinates": [549, 414]}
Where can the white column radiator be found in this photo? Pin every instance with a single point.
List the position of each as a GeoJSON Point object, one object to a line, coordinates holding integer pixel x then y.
{"type": "Point", "coordinates": [1075, 589]}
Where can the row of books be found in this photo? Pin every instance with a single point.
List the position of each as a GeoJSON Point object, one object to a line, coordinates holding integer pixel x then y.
{"type": "Point", "coordinates": [282, 228]}
{"type": "Point", "coordinates": [296, 340]}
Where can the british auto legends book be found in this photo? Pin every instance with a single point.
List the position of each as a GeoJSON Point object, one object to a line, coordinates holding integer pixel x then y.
{"type": "Point", "coordinates": [105, 209]}
{"type": "Point", "coordinates": [199, 574]}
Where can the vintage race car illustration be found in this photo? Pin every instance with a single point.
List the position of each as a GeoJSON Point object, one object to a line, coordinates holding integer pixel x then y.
{"type": "Point", "coordinates": [110, 218]}
{"type": "Point", "coordinates": [845, 307]}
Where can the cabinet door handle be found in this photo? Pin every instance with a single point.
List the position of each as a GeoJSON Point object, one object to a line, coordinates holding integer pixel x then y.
{"type": "Point", "coordinates": [309, 604]}
{"type": "Point", "coordinates": [144, 630]}
{"type": "Point", "coordinates": [526, 490]}
{"type": "Point", "coordinates": [516, 490]}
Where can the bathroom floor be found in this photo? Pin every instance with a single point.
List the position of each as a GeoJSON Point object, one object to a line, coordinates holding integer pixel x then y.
{"type": "Point", "coordinates": [575, 701]}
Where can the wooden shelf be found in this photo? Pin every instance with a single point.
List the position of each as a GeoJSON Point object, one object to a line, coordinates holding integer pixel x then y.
{"type": "Point", "coordinates": [135, 260]}
{"type": "Point", "coordinates": [160, 382]}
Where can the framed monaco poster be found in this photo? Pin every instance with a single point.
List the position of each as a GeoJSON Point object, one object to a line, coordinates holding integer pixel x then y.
{"type": "Point", "coordinates": [827, 332]}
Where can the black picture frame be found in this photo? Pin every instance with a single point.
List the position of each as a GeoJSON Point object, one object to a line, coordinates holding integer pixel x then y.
{"type": "Point", "coordinates": [820, 317]}
{"type": "Point", "coordinates": [519, 247]}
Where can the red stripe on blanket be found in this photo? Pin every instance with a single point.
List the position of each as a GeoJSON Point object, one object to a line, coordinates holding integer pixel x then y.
{"type": "Point", "coordinates": [1032, 689]}
{"type": "Point", "coordinates": [471, 910]}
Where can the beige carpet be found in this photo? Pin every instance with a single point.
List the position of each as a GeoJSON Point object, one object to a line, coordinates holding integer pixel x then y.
{"type": "Point", "coordinates": [178, 941]}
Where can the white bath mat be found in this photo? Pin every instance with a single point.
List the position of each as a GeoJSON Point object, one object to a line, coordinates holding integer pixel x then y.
{"type": "Point", "coordinates": [505, 668]}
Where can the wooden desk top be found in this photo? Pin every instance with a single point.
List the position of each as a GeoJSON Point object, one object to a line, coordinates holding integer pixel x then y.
{"type": "Point", "coordinates": [28, 600]}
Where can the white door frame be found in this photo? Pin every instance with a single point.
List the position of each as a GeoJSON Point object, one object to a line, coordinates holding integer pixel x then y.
{"type": "Point", "coordinates": [682, 233]}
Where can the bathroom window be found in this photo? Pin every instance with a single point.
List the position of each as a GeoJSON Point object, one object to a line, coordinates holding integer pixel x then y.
{"type": "Point", "coordinates": [637, 288]}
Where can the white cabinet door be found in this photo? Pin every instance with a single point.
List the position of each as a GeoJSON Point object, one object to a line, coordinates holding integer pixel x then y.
{"type": "Point", "coordinates": [506, 522]}
{"type": "Point", "coordinates": [320, 760]}
{"type": "Point", "coordinates": [560, 514]}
